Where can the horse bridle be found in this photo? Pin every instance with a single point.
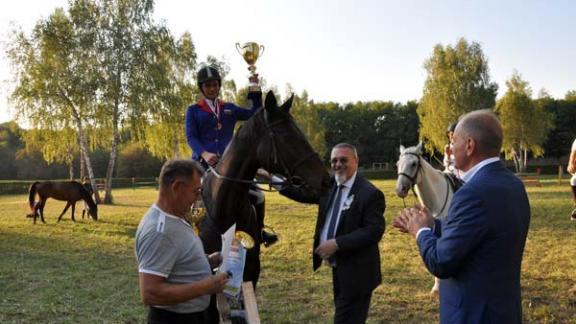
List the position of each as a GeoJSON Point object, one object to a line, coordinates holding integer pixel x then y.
{"type": "Point", "coordinates": [275, 159]}
{"type": "Point", "coordinates": [414, 177]}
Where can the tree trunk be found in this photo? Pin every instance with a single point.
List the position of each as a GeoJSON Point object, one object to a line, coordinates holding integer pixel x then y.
{"type": "Point", "coordinates": [108, 199]}
{"type": "Point", "coordinates": [84, 151]}
{"type": "Point", "coordinates": [71, 170]}
{"type": "Point", "coordinates": [525, 161]}
{"type": "Point", "coordinates": [176, 146]}
{"type": "Point", "coordinates": [82, 167]}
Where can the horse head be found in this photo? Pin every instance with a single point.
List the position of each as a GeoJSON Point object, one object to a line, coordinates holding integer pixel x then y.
{"type": "Point", "coordinates": [283, 149]}
{"type": "Point", "coordinates": [408, 166]}
{"type": "Point", "coordinates": [93, 211]}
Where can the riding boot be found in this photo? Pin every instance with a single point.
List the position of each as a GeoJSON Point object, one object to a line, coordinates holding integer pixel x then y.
{"type": "Point", "coordinates": [268, 238]}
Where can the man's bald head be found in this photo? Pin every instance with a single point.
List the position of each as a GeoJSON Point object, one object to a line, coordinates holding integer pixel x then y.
{"type": "Point", "coordinates": [484, 127]}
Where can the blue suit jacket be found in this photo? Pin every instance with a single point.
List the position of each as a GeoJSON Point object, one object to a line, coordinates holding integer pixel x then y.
{"type": "Point", "coordinates": [477, 250]}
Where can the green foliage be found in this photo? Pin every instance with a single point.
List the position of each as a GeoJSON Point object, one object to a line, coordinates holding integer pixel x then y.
{"type": "Point", "coordinates": [524, 123]}
{"type": "Point", "coordinates": [376, 128]}
{"type": "Point", "coordinates": [561, 136]}
{"type": "Point", "coordinates": [570, 95]}
{"type": "Point", "coordinates": [10, 143]}
{"type": "Point", "coordinates": [307, 118]}
{"type": "Point", "coordinates": [458, 82]}
{"type": "Point", "coordinates": [135, 160]}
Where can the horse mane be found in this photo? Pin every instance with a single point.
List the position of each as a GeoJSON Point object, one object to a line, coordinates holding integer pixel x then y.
{"type": "Point", "coordinates": [86, 196]}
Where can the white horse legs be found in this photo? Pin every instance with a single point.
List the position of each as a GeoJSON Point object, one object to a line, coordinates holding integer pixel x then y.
{"type": "Point", "coordinates": [436, 287]}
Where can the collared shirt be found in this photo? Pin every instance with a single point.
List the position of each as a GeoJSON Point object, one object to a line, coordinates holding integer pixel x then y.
{"type": "Point", "coordinates": [467, 176]}
{"type": "Point", "coordinates": [346, 186]}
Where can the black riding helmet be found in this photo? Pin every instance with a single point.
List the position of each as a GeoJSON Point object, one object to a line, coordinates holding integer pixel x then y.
{"type": "Point", "coordinates": [207, 73]}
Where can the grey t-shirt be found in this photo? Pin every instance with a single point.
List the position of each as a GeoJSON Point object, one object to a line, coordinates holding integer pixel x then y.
{"type": "Point", "coordinates": [167, 246]}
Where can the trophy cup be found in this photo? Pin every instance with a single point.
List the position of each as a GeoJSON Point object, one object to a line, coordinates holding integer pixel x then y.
{"type": "Point", "coordinates": [251, 52]}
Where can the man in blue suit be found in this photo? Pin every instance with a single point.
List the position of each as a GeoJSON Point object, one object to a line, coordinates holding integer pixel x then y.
{"type": "Point", "coordinates": [477, 250]}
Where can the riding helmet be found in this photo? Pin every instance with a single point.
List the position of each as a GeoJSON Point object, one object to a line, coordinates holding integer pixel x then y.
{"type": "Point", "coordinates": [207, 73]}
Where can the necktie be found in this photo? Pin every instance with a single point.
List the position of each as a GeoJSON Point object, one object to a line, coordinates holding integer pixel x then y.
{"type": "Point", "coordinates": [335, 210]}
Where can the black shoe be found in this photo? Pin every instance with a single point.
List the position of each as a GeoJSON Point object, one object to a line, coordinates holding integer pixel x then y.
{"type": "Point", "coordinates": [269, 238]}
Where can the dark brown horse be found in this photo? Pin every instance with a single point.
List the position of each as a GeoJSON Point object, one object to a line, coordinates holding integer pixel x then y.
{"type": "Point", "coordinates": [70, 191]}
{"type": "Point", "coordinates": [269, 140]}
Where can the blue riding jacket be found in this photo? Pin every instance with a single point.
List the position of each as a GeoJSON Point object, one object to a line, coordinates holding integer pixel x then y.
{"type": "Point", "coordinates": [207, 132]}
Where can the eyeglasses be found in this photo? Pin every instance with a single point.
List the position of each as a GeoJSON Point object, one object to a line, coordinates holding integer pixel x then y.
{"type": "Point", "coordinates": [343, 160]}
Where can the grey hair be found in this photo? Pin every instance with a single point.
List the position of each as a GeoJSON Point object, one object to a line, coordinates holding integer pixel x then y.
{"type": "Point", "coordinates": [484, 127]}
{"type": "Point", "coordinates": [174, 169]}
{"type": "Point", "coordinates": [348, 146]}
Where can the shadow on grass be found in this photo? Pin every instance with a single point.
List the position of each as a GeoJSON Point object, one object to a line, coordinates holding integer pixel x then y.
{"type": "Point", "coordinates": [74, 280]}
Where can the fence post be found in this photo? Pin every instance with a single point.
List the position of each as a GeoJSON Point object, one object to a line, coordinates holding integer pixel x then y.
{"type": "Point", "coordinates": [560, 173]}
{"type": "Point", "coordinates": [133, 184]}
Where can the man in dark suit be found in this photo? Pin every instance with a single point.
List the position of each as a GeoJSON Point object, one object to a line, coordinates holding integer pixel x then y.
{"type": "Point", "coordinates": [477, 250]}
{"type": "Point", "coordinates": [349, 226]}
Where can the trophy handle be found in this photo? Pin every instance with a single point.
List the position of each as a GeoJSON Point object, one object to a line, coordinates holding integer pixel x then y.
{"type": "Point", "coordinates": [238, 48]}
{"type": "Point", "coordinates": [261, 49]}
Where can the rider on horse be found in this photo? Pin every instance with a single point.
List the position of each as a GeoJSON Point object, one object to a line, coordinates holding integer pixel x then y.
{"type": "Point", "coordinates": [210, 125]}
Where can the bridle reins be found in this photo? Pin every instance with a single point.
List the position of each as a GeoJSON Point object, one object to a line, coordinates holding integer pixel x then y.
{"type": "Point", "coordinates": [275, 159]}
{"type": "Point", "coordinates": [414, 178]}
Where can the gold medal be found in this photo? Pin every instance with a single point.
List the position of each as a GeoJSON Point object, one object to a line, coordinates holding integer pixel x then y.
{"type": "Point", "coordinates": [218, 126]}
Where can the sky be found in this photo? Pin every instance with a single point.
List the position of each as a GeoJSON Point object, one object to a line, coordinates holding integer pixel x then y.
{"type": "Point", "coordinates": [355, 50]}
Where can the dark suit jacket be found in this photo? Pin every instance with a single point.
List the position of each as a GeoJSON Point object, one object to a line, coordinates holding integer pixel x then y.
{"type": "Point", "coordinates": [360, 229]}
{"type": "Point", "coordinates": [477, 250]}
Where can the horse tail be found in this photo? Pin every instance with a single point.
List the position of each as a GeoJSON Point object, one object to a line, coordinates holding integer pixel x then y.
{"type": "Point", "coordinates": [32, 195]}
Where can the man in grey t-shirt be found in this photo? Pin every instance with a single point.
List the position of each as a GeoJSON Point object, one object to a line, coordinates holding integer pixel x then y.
{"type": "Point", "coordinates": [174, 273]}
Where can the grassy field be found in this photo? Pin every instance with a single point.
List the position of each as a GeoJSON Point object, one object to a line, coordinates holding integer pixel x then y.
{"type": "Point", "coordinates": [85, 272]}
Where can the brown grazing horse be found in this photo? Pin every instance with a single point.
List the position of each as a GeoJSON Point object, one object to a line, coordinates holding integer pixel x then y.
{"type": "Point", "coordinates": [70, 191]}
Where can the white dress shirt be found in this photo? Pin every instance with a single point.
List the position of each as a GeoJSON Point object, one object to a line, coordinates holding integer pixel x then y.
{"type": "Point", "coordinates": [346, 186]}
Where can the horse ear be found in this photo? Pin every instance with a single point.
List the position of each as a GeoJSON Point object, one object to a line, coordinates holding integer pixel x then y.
{"type": "Point", "coordinates": [270, 103]}
{"type": "Point", "coordinates": [402, 148]}
{"type": "Point", "coordinates": [288, 104]}
{"type": "Point", "coordinates": [419, 147]}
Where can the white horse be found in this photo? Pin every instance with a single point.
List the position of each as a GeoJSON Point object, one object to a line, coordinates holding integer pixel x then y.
{"type": "Point", "coordinates": [433, 187]}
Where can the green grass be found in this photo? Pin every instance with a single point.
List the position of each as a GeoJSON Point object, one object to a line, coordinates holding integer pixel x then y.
{"type": "Point", "coordinates": [85, 272]}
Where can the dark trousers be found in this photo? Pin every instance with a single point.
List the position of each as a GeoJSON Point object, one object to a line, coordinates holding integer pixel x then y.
{"type": "Point", "coordinates": [162, 316]}
{"type": "Point", "coordinates": [349, 310]}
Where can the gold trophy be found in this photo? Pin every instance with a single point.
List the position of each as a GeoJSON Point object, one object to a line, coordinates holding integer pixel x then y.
{"type": "Point", "coordinates": [251, 52]}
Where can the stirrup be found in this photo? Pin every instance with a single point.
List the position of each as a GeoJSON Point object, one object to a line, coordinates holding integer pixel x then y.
{"type": "Point", "coordinates": [268, 239]}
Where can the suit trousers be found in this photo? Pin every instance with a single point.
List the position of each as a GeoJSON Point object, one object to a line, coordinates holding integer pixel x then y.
{"type": "Point", "coordinates": [349, 310]}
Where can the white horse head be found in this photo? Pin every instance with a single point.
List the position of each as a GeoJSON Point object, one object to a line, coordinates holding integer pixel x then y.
{"type": "Point", "coordinates": [408, 166]}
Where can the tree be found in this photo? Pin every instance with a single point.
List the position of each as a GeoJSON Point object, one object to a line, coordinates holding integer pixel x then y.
{"type": "Point", "coordinates": [308, 120]}
{"type": "Point", "coordinates": [458, 82]}
{"type": "Point", "coordinates": [524, 123]}
{"type": "Point", "coordinates": [55, 73]}
{"type": "Point", "coordinates": [165, 135]}
{"type": "Point", "coordinates": [570, 95]}
{"type": "Point", "coordinates": [136, 161]}
{"type": "Point", "coordinates": [132, 63]}
{"type": "Point", "coordinates": [64, 150]}
{"type": "Point", "coordinates": [10, 143]}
